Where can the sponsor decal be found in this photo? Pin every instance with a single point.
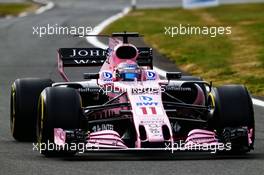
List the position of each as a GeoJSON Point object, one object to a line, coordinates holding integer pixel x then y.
{"type": "Point", "coordinates": [150, 75]}
{"type": "Point", "coordinates": [138, 91]}
{"type": "Point", "coordinates": [101, 127]}
{"type": "Point", "coordinates": [87, 53]}
{"type": "Point", "coordinates": [89, 90]}
{"type": "Point", "coordinates": [153, 120]}
{"type": "Point", "coordinates": [146, 101]}
{"type": "Point", "coordinates": [148, 107]}
{"type": "Point", "coordinates": [154, 129]}
{"type": "Point", "coordinates": [88, 61]}
{"type": "Point", "coordinates": [177, 88]}
{"type": "Point", "coordinates": [107, 76]}
{"type": "Point", "coordinates": [145, 98]}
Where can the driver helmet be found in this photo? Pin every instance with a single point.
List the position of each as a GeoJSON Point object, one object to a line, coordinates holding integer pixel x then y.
{"type": "Point", "coordinates": [128, 71]}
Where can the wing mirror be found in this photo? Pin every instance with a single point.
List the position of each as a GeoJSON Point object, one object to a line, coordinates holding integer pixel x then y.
{"type": "Point", "coordinates": [173, 75]}
{"type": "Point", "coordinates": [91, 75]}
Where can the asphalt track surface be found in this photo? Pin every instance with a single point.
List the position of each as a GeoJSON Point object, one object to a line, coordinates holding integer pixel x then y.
{"type": "Point", "coordinates": [26, 55]}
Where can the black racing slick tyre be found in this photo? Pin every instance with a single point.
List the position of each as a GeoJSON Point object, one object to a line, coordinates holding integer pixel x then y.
{"type": "Point", "coordinates": [23, 107]}
{"type": "Point", "coordinates": [233, 111]}
{"type": "Point", "coordinates": [59, 107]}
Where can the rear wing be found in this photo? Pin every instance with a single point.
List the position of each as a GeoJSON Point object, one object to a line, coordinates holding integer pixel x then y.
{"type": "Point", "coordinates": [83, 57]}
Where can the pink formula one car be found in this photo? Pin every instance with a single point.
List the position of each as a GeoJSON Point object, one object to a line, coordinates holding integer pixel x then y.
{"type": "Point", "coordinates": [129, 106]}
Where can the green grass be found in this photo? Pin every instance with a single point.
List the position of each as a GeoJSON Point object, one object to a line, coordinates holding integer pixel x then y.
{"type": "Point", "coordinates": [235, 58]}
{"type": "Point", "coordinates": [14, 8]}
{"type": "Point", "coordinates": [248, 17]}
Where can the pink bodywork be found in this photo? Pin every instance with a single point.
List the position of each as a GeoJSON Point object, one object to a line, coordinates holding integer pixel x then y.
{"type": "Point", "coordinates": [147, 108]}
{"type": "Point", "coordinates": [106, 139]}
{"type": "Point", "coordinates": [151, 116]}
{"type": "Point", "coordinates": [200, 136]}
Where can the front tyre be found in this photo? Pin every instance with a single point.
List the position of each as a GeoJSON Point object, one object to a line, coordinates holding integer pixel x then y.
{"type": "Point", "coordinates": [59, 107]}
{"type": "Point", "coordinates": [234, 117]}
{"type": "Point", "coordinates": [23, 107]}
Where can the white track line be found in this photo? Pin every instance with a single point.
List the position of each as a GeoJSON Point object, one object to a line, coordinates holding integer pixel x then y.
{"type": "Point", "coordinates": [100, 27]}
{"type": "Point", "coordinates": [47, 6]}
{"type": "Point", "coordinates": [23, 14]}
{"type": "Point", "coordinates": [258, 102]}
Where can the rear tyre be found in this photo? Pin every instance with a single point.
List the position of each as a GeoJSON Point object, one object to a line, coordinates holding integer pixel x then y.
{"type": "Point", "coordinates": [58, 108]}
{"type": "Point", "coordinates": [23, 107]}
{"type": "Point", "coordinates": [234, 109]}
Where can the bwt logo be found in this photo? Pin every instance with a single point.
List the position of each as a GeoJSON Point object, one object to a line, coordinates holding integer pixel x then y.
{"type": "Point", "coordinates": [107, 75]}
{"type": "Point", "coordinates": [146, 101]}
{"type": "Point", "coordinates": [151, 75]}
{"type": "Point", "coordinates": [145, 98]}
